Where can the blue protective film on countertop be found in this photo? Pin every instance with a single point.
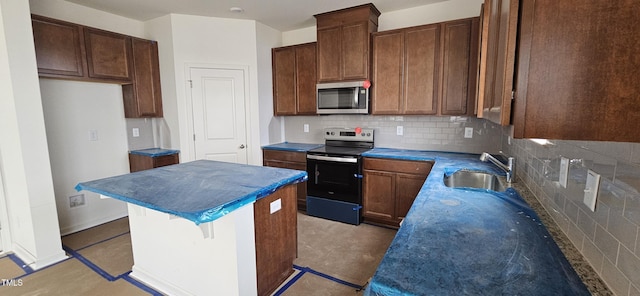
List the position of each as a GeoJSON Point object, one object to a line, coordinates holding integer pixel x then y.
{"type": "Point", "coordinates": [154, 152]}
{"type": "Point", "coordinates": [296, 147]}
{"type": "Point", "coordinates": [457, 241]}
{"type": "Point", "coordinates": [200, 191]}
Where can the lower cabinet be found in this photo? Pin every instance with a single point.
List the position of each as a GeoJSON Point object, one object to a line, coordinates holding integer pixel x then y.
{"type": "Point", "coordinates": [140, 162]}
{"type": "Point", "coordinates": [289, 160]}
{"type": "Point", "coordinates": [390, 187]}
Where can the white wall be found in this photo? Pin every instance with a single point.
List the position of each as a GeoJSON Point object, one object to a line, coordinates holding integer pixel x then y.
{"type": "Point", "coordinates": [427, 14]}
{"type": "Point", "coordinates": [86, 105]}
{"type": "Point", "coordinates": [204, 41]}
{"type": "Point", "coordinates": [24, 157]}
{"type": "Point", "coordinates": [271, 127]}
{"type": "Point", "coordinates": [70, 114]}
{"type": "Point", "coordinates": [71, 12]}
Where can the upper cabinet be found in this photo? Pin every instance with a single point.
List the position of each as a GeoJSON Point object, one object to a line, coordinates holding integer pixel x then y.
{"type": "Point", "coordinates": [344, 42]}
{"type": "Point", "coordinates": [578, 71]}
{"type": "Point", "coordinates": [497, 61]}
{"type": "Point", "coordinates": [143, 97]}
{"type": "Point", "coordinates": [59, 48]}
{"type": "Point", "coordinates": [108, 54]}
{"type": "Point", "coordinates": [427, 70]}
{"type": "Point", "coordinates": [69, 51]}
{"type": "Point", "coordinates": [294, 79]}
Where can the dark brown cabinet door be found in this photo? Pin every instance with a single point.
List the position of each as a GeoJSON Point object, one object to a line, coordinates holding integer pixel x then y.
{"type": "Point", "coordinates": [578, 70]}
{"type": "Point", "coordinates": [499, 66]}
{"type": "Point", "coordinates": [388, 66]}
{"type": "Point", "coordinates": [379, 195]}
{"type": "Point", "coordinates": [294, 79]}
{"type": "Point", "coordinates": [284, 80]}
{"type": "Point", "coordinates": [407, 188]}
{"type": "Point", "coordinates": [355, 51]}
{"type": "Point", "coordinates": [108, 55]}
{"type": "Point", "coordinates": [390, 187]}
{"type": "Point", "coordinates": [59, 47]}
{"type": "Point", "coordinates": [421, 80]}
{"type": "Point", "coordinates": [459, 60]}
{"type": "Point", "coordinates": [306, 72]}
{"type": "Point", "coordinates": [329, 54]}
{"type": "Point", "coordinates": [344, 43]}
{"type": "Point", "coordinates": [143, 98]}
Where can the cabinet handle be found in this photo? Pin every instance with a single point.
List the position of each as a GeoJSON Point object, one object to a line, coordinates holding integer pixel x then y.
{"type": "Point", "coordinates": [241, 146]}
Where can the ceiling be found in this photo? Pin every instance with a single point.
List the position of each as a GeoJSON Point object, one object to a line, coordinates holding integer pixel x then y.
{"type": "Point", "coordinates": [283, 15]}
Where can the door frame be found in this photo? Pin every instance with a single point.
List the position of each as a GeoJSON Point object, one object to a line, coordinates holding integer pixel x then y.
{"type": "Point", "coordinates": [189, 104]}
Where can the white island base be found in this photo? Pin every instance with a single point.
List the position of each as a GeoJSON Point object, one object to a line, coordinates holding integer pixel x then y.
{"type": "Point", "coordinates": [177, 257]}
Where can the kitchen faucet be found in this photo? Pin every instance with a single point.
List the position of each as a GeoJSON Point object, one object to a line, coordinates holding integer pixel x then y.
{"type": "Point", "coordinates": [509, 168]}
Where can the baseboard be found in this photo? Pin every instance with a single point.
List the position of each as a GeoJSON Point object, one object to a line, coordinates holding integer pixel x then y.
{"type": "Point", "coordinates": [92, 223]}
{"type": "Point", "coordinates": [155, 283]}
{"type": "Point", "coordinates": [37, 263]}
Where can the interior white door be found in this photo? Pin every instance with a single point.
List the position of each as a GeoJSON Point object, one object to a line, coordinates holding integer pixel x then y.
{"type": "Point", "coordinates": [218, 102]}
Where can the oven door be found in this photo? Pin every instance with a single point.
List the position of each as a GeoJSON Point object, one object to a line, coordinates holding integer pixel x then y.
{"type": "Point", "coordinates": [334, 177]}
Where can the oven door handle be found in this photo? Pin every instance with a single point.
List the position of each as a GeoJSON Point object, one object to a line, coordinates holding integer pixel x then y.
{"type": "Point", "coordinates": [335, 159]}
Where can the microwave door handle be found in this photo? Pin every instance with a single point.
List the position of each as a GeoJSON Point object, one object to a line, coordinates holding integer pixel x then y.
{"type": "Point", "coordinates": [355, 97]}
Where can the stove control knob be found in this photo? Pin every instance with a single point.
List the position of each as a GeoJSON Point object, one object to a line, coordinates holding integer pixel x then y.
{"type": "Point", "coordinates": [368, 134]}
{"type": "Point", "coordinates": [362, 134]}
{"type": "Point", "coordinates": [327, 133]}
{"type": "Point", "coordinates": [333, 133]}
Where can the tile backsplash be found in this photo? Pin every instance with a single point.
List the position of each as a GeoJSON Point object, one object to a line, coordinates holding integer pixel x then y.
{"type": "Point", "coordinates": [607, 238]}
{"type": "Point", "coordinates": [441, 133]}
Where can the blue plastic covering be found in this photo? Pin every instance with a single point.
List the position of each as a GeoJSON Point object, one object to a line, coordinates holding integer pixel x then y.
{"type": "Point", "coordinates": [154, 152]}
{"type": "Point", "coordinates": [200, 191]}
{"type": "Point", "coordinates": [296, 147]}
{"type": "Point", "coordinates": [470, 241]}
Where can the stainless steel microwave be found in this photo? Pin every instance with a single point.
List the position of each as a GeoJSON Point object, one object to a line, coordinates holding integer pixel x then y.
{"type": "Point", "coordinates": [343, 98]}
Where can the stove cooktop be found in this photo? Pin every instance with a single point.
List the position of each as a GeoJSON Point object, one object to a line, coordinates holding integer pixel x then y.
{"type": "Point", "coordinates": [353, 151]}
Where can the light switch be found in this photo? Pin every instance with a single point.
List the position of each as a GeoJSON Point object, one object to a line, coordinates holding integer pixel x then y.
{"type": "Point", "coordinates": [399, 130]}
{"type": "Point", "coordinates": [591, 189]}
{"type": "Point", "coordinates": [93, 135]}
{"type": "Point", "coordinates": [275, 205]}
{"type": "Point", "coordinates": [468, 132]}
{"type": "Point", "coordinates": [564, 171]}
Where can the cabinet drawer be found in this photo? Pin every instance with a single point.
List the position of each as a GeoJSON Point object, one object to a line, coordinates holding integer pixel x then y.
{"type": "Point", "coordinates": [165, 160]}
{"type": "Point", "coordinates": [399, 166]}
{"type": "Point", "coordinates": [284, 156]}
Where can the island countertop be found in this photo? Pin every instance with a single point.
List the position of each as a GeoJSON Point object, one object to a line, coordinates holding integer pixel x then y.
{"type": "Point", "coordinates": [200, 191]}
{"type": "Point", "coordinates": [457, 241]}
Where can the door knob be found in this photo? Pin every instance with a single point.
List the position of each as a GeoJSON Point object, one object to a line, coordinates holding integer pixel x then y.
{"type": "Point", "coordinates": [241, 146]}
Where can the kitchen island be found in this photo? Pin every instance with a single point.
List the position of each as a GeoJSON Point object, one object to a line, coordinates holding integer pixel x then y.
{"type": "Point", "coordinates": [209, 228]}
{"type": "Point", "coordinates": [463, 241]}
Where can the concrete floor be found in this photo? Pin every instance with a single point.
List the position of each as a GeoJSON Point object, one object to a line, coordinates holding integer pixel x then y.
{"type": "Point", "coordinates": [333, 259]}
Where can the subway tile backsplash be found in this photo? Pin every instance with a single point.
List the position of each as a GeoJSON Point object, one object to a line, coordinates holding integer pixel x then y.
{"type": "Point", "coordinates": [441, 133]}
{"type": "Point", "coordinates": [609, 237]}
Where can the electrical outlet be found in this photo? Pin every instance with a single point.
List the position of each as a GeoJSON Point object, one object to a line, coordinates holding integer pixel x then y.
{"type": "Point", "coordinates": [564, 171]}
{"type": "Point", "coordinates": [136, 132]}
{"type": "Point", "coordinates": [306, 127]}
{"type": "Point", "coordinates": [76, 200]}
{"type": "Point", "coordinates": [93, 135]}
{"type": "Point", "coordinates": [468, 132]}
{"type": "Point", "coordinates": [591, 190]}
{"type": "Point", "coordinates": [399, 130]}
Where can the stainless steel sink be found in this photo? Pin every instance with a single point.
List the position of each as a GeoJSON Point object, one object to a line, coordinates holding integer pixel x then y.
{"type": "Point", "coordinates": [474, 179]}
